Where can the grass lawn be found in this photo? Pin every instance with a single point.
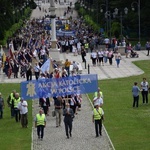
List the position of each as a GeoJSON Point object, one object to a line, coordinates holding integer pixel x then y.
{"type": "Point", "coordinates": [13, 137]}
{"type": "Point", "coordinates": [128, 128]}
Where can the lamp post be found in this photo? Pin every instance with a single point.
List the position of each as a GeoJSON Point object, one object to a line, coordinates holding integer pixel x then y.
{"type": "Point", "coordinates": [121, 17]}
{"type": "Point", "coordinates": [101, 10]}
{"type": "Point", "coordinates": [139, 15]}
{"type": "Point", "coordinates": [17, 14]}
{"type": "Point", "coordinates": [109, 16]}
{"type": "Point", "coordinates": [13, 16]}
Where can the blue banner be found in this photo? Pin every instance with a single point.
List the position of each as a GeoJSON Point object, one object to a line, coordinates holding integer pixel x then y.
{"type": "Point", "coordinates": [65, 33]}
{"type": "Point", "coordinates": [79, 84]}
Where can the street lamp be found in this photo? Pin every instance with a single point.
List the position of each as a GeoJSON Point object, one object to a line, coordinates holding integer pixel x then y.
{"type": "Point", "coordinates": [121, 16]}
{"type": "Point", "coordinates": [106, 9]}
{"type": "Point", "coordinates": [17, 14]}
{"type": "Point", "coordinates": [101, 6]}
{"type": "Point", "coordinates": [13, 16]}
{"type": "Point", "coordinates": [109, 15]}
{"type": "Point", "coordinates": [139, 15]}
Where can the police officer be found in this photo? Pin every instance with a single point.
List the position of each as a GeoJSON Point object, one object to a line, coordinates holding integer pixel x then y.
{"type": "Point", "coordinates": [16, 110]}
{"type": "Point", "coordinates": [97, 119]}
{"type": "Point", "coordinates": [40, 123]}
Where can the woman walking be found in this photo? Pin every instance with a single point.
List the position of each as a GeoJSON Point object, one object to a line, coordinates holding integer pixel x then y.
{"type": "Point", "coordinates": [117, 58]}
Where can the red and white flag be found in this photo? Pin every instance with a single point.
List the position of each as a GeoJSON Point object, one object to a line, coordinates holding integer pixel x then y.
{"type": "Point", "coordinates": [11, 51]}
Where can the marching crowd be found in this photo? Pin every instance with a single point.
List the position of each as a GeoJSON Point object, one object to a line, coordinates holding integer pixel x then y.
{"type": "Point", "coordinates": [67, 106]}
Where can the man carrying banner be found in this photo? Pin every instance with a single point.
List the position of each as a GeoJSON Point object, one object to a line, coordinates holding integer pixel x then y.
{"type": "Point", "coordinates": [58, 110]}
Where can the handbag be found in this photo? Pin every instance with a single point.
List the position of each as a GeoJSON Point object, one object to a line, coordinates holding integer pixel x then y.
{"type": "Point", "coordinates": [112, 55]}
{"type": "Point", "coordinates": [53, 113]}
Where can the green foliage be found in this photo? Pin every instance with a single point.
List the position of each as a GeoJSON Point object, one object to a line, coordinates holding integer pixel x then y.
{"type": "Point", "coordinates": [130, 21]}
{"type": "Point", "coordinates": [10, 32]}
{"type": "Point", "coordinates": [77, 6]}
{"type": "Point", "coordinates": [32, 4]}
{"type": "Point", "coordinates": [115, 30]}
{"type": "Point", "coordinates": [87, 18]}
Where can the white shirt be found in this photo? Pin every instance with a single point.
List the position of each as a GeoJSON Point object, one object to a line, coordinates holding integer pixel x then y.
{"type": "Point", "coordinates": [105, 53]}
{"type": "Point", "coordinates": [98, 101]}
{"type": "Point", "coordinates": [94, 55]}
{"type": "Point", "coordinates": [74, 49]}
{"type": "Point", "coordinates": [100, 54]}
{"type": "Point", "coordinates": [72, 102]}
{"type": "Point", "coordinates": [35, 53]}
{"type": "Point", "coordinates": [144, 86]}
{"type": "Point", "coordinates": [79, 45]}
{"type": "Point", "coordinates": [42, 51]}
{"type": "Point", "coordinates": [106, 41]}
{"type": "Point", "coordinates": [23, 107]}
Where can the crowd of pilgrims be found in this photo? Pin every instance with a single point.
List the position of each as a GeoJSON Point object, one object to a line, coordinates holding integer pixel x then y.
{"type": "Point", "coordinates": [32, 42]}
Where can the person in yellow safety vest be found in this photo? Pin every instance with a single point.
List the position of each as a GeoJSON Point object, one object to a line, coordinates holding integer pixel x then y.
{"type": "Point", "coordinates": [86, 46]}
{"type": "Point", "coordinates": [98, 91]}
{"type": "Point", "coordinates": [98, 116]}
{"type": "Point", "coordinates": [16, 110]}
{"type": "Point", "coordinates": [10, 102]}
{"type": "Point", "coordinates": [40, 123]}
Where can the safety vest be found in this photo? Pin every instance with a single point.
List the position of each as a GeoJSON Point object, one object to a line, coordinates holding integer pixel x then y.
{"type": "Point", "coordinates": [11, 98]}
{"type": "Point", "coordinates": [16, 102]}
{"type": "Point", "coordinates": [86, 45]}
{"type": "Point", "coordinates": [40, 119]}
{"type": "Point", "coordinates": [96, 94]}
{"type": "Point", "coordinates": [97, 113]}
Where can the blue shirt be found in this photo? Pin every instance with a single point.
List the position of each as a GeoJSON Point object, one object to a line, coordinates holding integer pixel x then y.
{"type": "Point", "coordinates": [135, 91]}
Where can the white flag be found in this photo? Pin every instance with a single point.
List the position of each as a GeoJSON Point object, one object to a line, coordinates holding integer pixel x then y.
{"type": "Point", "coordinates": [46, 66]}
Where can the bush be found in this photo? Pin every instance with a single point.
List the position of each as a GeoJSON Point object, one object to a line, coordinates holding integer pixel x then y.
{"type": "Point", "coordinates": [10, 32]}
{"type": "Point", "coordinates": [77, 6]}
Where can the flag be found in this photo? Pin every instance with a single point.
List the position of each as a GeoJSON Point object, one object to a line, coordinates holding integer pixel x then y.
{"type": "Point", "coordinates": [11, 51]}
{"type": "Point", "coordinates": [46, 66]}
